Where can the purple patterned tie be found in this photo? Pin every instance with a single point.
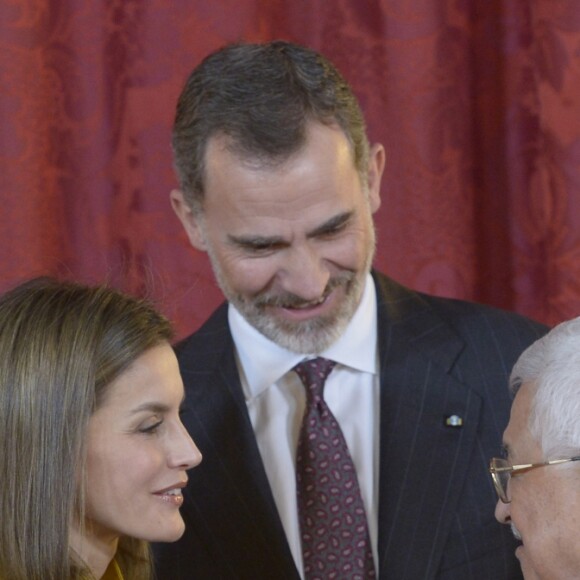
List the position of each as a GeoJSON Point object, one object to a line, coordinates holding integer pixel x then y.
{"type": "Point", "coordinates": [333, 525]}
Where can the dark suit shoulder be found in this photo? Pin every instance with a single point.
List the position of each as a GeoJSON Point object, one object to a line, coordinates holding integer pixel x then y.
{"type": "Point", "coordinates": [463, 314]}
{"type": "Point", "coordinates": [475, 342]}
{"type": "Point", "coordinates": [402, 303]}
{"type": "Point", "coordinates": [205, 346]}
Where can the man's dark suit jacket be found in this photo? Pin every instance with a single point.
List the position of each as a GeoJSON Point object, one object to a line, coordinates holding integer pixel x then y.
{"type": "Point", "coordinates": [438, 358]}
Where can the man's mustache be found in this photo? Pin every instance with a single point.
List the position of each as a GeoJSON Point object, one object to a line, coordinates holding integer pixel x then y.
{"type": "Point", "coordinates": [289, 300]}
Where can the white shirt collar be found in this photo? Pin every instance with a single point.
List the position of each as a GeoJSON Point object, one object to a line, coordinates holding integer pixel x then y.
{"type": "Point", "coordinates": [263, 362]}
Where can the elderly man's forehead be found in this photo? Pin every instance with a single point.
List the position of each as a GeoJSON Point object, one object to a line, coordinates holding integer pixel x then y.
{"type": "Point", "coordinates": [517, 436]}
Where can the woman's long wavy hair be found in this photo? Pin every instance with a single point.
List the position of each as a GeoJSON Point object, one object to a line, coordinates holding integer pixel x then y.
{"type": "Point", "coordinates": [61, 345]}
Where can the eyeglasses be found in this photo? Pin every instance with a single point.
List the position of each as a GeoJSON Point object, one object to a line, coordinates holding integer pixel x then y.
{"type": "Point", "coordinates": [501, 473]}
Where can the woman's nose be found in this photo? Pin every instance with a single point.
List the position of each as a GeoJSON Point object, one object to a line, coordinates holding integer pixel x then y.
{"type": "Point", "coordinates": [184, 453]}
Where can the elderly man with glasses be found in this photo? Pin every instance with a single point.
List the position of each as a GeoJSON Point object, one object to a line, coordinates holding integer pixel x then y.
{"type": "Point", "coordinates": [538, 480]}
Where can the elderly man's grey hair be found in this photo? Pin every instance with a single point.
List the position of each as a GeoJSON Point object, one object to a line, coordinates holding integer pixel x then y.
{"type": "Point", "coordinates": [552, 366]}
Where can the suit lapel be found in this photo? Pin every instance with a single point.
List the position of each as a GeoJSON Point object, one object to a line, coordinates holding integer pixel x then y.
{"type": "Point", "coordinates": [418, 488]}
{"type": "Point", "coordinates": [231, 501]}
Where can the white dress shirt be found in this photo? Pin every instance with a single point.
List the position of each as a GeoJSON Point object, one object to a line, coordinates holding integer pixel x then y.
{"type": "Point", "coordinates": [276, 400]}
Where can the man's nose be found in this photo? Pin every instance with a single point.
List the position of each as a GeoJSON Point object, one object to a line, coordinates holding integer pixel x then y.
{"type": "Point", "coordinates": [502, 512]}
{"type": "Point", "coordinates": [305, 273]}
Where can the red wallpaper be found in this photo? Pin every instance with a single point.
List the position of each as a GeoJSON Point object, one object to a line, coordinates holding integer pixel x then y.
{"type": "Point", "coordinates": [476, 101]}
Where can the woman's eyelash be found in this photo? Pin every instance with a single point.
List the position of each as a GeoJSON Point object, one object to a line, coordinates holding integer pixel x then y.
{"type": "Point", "coordinates": [151, 428]}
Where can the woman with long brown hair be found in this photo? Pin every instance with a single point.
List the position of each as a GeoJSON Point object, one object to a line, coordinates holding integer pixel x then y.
{"type": "Point", "coordinates": [93, 454]}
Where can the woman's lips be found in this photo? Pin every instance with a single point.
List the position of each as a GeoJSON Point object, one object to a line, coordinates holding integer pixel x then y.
{"type": "Point", "coordinates": [172, 494]}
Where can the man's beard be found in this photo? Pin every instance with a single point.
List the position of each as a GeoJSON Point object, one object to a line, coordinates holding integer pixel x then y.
{"type": "Point", "coordinates": [307, 336]}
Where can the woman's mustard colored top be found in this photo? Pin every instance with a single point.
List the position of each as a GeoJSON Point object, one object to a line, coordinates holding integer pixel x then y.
{"type": "Point", "coordinates": [113, 572]}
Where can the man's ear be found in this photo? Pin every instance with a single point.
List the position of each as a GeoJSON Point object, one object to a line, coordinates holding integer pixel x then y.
{"type": "Point", "coordinates": [190, 220]}
{"type": "Point", "coordinates": [375, 174]}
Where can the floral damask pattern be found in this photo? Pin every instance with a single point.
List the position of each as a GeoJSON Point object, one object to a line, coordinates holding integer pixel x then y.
{"type": "Point", "coordinates": [476, 102]}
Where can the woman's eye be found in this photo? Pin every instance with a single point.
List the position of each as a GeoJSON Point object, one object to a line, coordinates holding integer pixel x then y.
{"type": "Point", "coordinates": [150, 428]}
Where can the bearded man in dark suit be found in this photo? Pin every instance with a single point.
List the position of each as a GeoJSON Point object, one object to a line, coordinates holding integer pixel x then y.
{"type": "Point", "coordinates": [278, 184]}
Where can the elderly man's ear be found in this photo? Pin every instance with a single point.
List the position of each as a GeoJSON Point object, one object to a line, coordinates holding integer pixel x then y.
{"type": "Point", "coordinates": [189, 219]}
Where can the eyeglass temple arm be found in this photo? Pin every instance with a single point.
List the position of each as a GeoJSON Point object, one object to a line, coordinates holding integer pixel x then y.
{"type": "Point", "coordinates": [494, 469]}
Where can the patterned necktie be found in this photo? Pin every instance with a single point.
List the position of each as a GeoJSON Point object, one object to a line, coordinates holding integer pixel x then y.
{"type": "Point", "coordinates": [333, 525]}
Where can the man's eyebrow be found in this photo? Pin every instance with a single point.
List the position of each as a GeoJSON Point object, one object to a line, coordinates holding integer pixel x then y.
{"type": "Point", "coordinates": [255, 241]}
{"type": "Point", "coordinates": [332, 224]}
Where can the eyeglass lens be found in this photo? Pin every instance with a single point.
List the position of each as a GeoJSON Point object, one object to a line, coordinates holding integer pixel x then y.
{"type": "Point", "coordinates": [501, 479]}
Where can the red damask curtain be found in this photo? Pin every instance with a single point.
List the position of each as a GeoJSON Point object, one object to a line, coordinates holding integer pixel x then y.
{"type": "Point", "coordinates": [476, 101]}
